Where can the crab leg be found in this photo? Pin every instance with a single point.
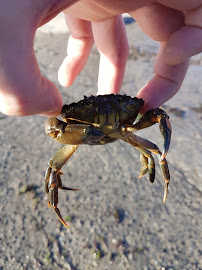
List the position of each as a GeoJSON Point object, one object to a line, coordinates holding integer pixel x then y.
{"type": "Point", "coordinates": [52, 177]}
{"type": "Point", "coordinates": [136, 140]}
{"type": "Point", "coordinates": [150, 118]}
{"type": "Point", "coordinates": [146, 160]}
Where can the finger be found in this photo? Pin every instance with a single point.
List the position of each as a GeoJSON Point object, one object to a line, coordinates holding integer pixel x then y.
{"type": "Point", "coordinates": [187, 41]}
{"type": "Point", "coordinates": [165, 84]}
{"type": "Point", "coordinates": [79, 46]}
{"type": "Point", "coordinates": [162, 23]}
{"type": "Point", "coordinates": [111, 41]}
{"type": "Point", "coordinates": [157, 21]}
{"type": "Point", "coordinates": [23, 90]}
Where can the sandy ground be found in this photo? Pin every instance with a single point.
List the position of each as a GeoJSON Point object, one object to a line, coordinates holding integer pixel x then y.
{"type": "Point", "coordinates": [116, 220]}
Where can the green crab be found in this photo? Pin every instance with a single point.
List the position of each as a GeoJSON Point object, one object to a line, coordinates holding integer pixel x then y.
{"type": "Point", "coordinates": [98, 120]}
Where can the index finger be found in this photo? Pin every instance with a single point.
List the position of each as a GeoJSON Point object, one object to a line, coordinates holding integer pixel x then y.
{"type": "Point", "coordinates": [159, 22]}
{"type": "Point", "coordinates": [112, 43]}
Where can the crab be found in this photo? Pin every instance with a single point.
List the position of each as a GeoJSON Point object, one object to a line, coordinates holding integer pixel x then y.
{"type": "Point", "coordinates": [98, 120]}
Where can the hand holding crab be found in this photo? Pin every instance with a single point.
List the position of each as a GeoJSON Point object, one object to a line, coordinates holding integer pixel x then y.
{"type": "Point", "coordinates": [23, 89]}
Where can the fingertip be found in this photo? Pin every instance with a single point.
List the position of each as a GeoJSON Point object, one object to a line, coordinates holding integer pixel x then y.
{"type": "Point", "coordinates": [52, 113]}
{"type": "Point", "coordinates": [107, 91]}
{"type": "Point", "coordinates": [69, 69]}
{"type": "Point", "coordinates": [52, 102]}
{"type": "Point", "coordinates": [64, 74]}
{"type": "Point", "coordinates": [156, 92]}
{"type": "Point", "coordinates": [44, 99]}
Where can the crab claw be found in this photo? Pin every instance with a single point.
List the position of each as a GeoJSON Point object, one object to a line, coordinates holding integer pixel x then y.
{"type": "Point", "coordinates": [165, 129]}
{"type": "Point", "coordinates": [150, 118]}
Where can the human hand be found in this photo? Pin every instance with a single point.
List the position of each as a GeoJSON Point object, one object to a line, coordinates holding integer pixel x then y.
{"type": "Point", "coordinates": [24, 91]}
{"type": "Point", "coordinates": [177, 25]}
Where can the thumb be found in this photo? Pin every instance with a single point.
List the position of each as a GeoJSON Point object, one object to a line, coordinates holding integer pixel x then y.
{"type": "Point", "coordinates": [23, 90]}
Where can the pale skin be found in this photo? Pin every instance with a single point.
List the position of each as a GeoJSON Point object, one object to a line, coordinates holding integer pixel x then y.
{"type": "Point", "coordinates": [176, 24]}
